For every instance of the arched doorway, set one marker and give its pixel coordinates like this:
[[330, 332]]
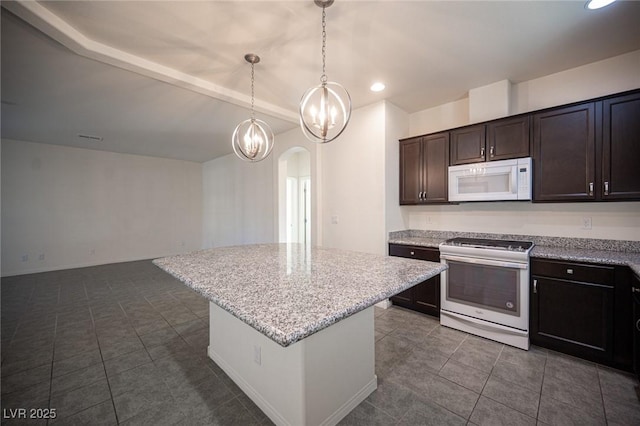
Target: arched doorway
[[294, 196]]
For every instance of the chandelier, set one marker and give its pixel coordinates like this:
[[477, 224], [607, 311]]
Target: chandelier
[[325, 109], [253, 138]]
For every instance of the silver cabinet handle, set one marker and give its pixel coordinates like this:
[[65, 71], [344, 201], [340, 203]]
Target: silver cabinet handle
[[413, 253], [482, 152], [635, 290], [491, 151], [420, 196], [535, 286], [606, 188], [590, 188], [570, 271], [638, 325]]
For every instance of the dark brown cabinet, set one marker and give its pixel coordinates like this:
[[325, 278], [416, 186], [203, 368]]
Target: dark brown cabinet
[[621, 148], [635, 343], [425, 296], [589, 151], [423, 169], [508, 138], [564, 154], [572, 308], [496, 140], [468, 145], [582, 309]]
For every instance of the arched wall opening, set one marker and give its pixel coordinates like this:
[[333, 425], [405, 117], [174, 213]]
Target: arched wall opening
[[294, 196]]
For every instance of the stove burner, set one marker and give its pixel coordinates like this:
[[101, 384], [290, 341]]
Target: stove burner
[[521, 246]]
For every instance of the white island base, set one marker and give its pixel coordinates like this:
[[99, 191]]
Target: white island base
[[315, 381]]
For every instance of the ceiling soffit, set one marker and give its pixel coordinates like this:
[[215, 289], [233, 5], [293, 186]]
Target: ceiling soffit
[[56, 28]]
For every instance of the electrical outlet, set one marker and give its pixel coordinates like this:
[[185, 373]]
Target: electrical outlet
[[334, 219], [257, 354], [41, 257], [25, 258], [586, 222]]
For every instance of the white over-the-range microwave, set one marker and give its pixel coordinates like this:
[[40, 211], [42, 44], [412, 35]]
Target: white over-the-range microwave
[[491, 181]]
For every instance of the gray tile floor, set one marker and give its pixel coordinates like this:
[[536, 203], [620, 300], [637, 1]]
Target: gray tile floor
[[126, 344]]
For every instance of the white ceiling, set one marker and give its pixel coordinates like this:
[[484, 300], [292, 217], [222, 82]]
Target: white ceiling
[[176, 83]]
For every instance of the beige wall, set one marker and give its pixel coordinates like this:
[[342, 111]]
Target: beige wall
[[612, 75], [353, 184], [66, 207], [610, 220], [237, 202]]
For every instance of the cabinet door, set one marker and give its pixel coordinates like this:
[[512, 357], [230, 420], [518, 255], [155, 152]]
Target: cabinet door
[[436, 162], [564, 154], [623, 322], [404, 298], [468, 145], [508, 138], [411, 171], [427, 296], [636, 325], [572, 317], [621, 148]]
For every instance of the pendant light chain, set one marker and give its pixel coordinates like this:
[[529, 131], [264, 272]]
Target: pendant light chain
[[252, 139], [253, 114], [323, 78], [325, 109]]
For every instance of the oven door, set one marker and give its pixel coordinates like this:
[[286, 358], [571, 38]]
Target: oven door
[[490, 290]]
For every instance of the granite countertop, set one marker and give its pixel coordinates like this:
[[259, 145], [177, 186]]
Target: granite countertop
[[612, 252], [290, 291]]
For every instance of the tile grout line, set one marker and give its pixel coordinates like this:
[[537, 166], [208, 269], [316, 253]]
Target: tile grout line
[[604, 407], [544, 375], [95, 332], [480, 395], [53, 357]]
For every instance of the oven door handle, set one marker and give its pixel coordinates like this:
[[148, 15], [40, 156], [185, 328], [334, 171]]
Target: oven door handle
[[488, 262]]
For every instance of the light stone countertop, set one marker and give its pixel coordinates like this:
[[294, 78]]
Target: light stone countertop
[[611, 252], [290, 291]]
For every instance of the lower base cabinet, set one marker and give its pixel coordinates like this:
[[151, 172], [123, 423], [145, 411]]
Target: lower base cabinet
[[636, 324], [425, 296], [579, 309]]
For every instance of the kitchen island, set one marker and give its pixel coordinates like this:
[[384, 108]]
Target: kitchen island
[[292, 325]]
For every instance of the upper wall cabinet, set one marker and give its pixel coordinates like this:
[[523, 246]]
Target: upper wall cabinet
[[621, 148], [424, 164], [468, 145], [564, 154], [497, 140], [508, 138], [589, 151]]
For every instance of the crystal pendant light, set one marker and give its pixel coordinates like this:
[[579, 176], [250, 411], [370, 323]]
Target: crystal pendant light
[[325, 109], [253, 138]]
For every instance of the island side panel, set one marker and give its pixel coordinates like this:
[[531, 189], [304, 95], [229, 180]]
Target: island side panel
[[316, 381], [340, 365]]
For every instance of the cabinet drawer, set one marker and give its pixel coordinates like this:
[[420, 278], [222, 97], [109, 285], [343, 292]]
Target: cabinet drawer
[[415, 252], [584, 272]]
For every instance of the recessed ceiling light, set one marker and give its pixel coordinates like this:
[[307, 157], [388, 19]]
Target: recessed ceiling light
[[598, 4], [377, 87]]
